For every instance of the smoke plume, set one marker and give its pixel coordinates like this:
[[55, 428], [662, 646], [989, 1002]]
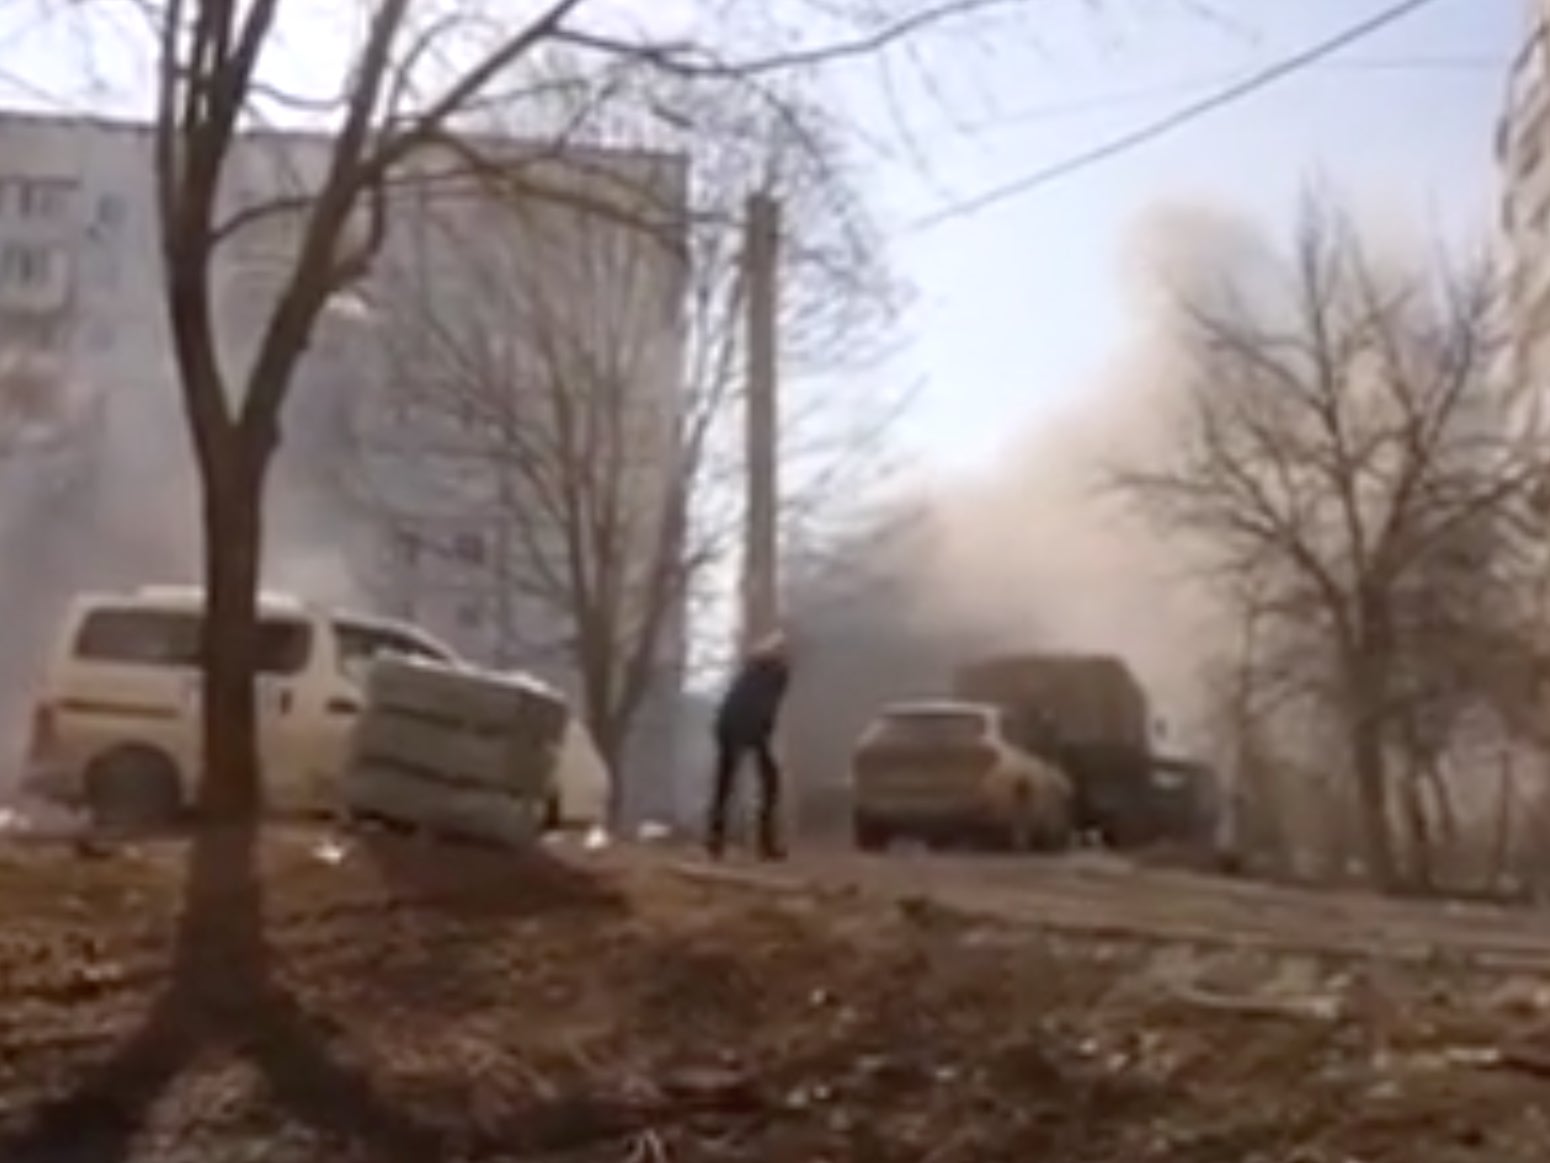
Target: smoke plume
[[107, 499], [1042, 552]]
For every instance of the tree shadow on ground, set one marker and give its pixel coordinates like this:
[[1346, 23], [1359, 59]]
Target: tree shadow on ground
[[223, 995], [446, 963], [476, 882]]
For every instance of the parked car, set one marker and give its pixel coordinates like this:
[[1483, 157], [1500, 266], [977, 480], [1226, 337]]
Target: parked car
[[947, 772]]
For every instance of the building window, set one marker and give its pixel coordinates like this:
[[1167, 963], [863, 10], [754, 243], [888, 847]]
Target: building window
[[24, 266], [406, 546], [1539, 220], [43, 198], [1529, 151], [111, 212], [40, 336], [469, 548]]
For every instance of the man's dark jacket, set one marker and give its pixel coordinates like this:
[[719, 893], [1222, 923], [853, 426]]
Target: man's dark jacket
[[750, 706]]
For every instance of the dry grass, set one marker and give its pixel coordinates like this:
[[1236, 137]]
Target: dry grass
[[545, 1008]]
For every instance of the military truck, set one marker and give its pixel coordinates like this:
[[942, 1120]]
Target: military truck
[[1088, 714], [1186, 802]]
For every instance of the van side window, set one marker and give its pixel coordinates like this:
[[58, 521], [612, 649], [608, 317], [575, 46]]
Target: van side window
[[136, 636]]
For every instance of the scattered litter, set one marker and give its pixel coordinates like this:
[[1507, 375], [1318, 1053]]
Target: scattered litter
[[1481, 1056], [330, 850], [713, 1088], [653, 832], [1521, 995], [1318, 1008], [597, 839]]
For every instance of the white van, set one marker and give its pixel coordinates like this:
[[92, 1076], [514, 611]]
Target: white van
[[116, 728]]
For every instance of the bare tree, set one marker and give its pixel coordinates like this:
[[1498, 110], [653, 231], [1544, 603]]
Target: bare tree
[[1346, 454], [544, 415], [575, 383], [418, 73]]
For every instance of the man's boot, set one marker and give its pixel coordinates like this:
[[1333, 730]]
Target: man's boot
[[770, 847], [716, 836]]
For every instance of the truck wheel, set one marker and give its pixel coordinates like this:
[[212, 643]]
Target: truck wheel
[[1058, 836], [869, 835], [133, 788]]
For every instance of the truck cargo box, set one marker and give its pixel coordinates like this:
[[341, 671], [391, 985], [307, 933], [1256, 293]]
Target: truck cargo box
[[1091, 700]]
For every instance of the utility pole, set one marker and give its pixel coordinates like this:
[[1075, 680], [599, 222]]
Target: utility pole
[[761, 568]]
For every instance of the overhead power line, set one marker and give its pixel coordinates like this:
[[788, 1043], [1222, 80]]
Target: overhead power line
[[1178, 119], [1103, 102]]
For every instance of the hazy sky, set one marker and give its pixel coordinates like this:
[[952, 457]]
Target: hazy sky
[[1021, 302]]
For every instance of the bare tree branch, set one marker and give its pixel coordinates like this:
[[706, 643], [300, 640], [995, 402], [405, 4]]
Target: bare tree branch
[[1350, 470]]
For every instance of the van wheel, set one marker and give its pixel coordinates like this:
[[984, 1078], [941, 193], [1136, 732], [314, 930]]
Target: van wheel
[[133, 788]]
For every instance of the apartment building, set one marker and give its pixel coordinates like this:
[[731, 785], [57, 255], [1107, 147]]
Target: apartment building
[[1523, 160], [421, 526]]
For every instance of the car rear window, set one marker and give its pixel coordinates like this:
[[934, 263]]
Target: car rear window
[[136, 636], [933, 727]]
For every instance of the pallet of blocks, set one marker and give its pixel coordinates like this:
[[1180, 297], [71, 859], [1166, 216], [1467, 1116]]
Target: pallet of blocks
[[454, 752]]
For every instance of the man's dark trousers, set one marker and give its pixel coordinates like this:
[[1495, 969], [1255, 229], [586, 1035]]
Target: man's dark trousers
[[731, 749]]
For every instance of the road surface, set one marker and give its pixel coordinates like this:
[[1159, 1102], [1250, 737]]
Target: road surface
[[1106, 895]]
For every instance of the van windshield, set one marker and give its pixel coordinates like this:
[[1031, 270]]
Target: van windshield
[[931, 727], [141, 636]]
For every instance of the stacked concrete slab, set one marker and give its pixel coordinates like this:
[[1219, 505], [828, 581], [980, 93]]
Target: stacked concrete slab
[[455, 751]]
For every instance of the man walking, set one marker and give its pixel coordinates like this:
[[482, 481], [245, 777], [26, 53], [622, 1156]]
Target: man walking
[[745, 724]]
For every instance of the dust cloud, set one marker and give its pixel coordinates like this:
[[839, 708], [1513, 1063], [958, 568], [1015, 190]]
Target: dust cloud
[[1044, 552]]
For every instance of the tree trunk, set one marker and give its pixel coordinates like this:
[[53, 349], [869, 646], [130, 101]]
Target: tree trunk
[[1422, 864], [230, 787], [604, 718], [1500, 870], [1371, 773], [1434, 778], [608, 735]]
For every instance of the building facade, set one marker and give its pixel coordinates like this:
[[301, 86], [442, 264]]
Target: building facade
[[385, 492], [1523, 160]]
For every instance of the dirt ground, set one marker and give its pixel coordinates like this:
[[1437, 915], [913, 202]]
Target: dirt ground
[[460, 1005]]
